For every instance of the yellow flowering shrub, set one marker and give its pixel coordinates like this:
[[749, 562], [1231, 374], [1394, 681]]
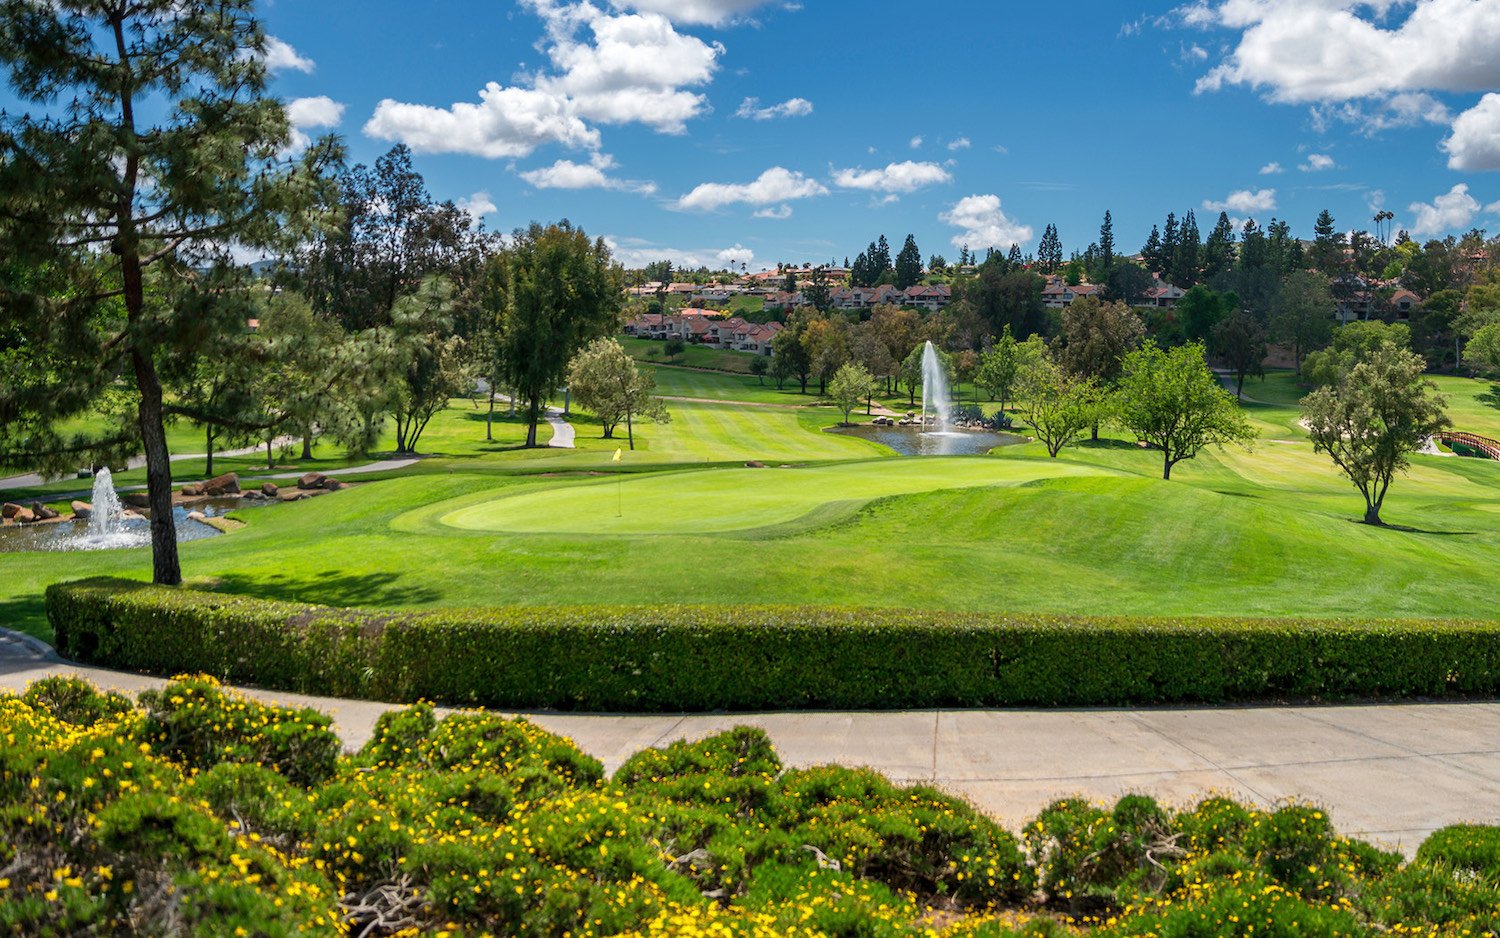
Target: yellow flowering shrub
[[203, 813]]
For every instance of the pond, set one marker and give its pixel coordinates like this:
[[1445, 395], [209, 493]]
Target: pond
[[913, 441], [126, 533]]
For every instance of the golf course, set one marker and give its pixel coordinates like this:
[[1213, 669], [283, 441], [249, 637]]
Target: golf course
[[1264, 530]]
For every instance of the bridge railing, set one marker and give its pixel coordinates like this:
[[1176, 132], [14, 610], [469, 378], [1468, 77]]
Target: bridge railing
[[1474, 441]]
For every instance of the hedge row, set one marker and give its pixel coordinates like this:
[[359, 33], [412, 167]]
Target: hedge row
[[654, 658]]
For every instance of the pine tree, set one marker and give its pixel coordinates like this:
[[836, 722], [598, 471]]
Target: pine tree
[[154, 149], [881, 256], [1049, 252], [1014, 257], [1218, 254], [1151, 253], [908, 264], [1107, 243], [1186, 263], [1254, 251], [1328, 246], [1168, 256]]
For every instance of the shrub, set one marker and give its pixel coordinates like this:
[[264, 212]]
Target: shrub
[[475, 824], [675, 658], [195, 723], [76, 701], [1465, 847]]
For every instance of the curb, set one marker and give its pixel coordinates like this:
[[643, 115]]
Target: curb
[[32, 644]]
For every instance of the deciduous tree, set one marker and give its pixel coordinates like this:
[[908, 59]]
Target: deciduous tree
[[850, 385], [1373, 419], [557, 291], [606, 382], [1304, 313], [1171, 400]]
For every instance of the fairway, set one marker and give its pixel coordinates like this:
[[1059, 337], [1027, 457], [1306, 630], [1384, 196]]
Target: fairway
[[737, 499]]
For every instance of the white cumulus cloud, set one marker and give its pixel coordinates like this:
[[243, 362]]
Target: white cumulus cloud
[[1451, 212], [1475, 142], [507, 122], [906, 176], [1317, 162], [606, 68], [695, 12], [1338, 50], [962, 143], [281, 57], [776, 212], [792, 107], [916, 142], [776, 184], [735, 256], [983, 224], [1271, 169], [636, 69], [566, 174], [477, 205], [1244, 202], [306, 114]]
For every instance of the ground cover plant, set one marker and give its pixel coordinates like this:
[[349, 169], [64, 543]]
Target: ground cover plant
[[195, 811]]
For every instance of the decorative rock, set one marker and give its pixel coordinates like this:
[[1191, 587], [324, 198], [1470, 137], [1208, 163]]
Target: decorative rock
[[334, 485], [197, 516], [192, 491], [269, 489], [294, 496], [9, 510], [43, 513], [755, 464], [129, 515], [25, 516], [313, 480], [82, 511], [226, 484], [137, 500]]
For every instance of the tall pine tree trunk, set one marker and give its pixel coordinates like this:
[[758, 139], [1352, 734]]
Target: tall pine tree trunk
[[208, 463], [165, 567], [307, 446]]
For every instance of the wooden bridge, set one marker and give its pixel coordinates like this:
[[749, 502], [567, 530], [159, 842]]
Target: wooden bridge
[[1481, 445]]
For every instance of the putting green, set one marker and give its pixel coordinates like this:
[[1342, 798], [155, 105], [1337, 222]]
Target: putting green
[[714, 500]]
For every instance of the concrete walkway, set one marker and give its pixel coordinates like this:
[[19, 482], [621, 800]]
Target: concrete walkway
[[562, 431], [33, 479], [1388, 773]]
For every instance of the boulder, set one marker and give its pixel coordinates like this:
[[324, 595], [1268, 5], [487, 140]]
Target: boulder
[[269, 489], [253, 496], [226, 484], [755, 464], [43, 513], [196, 516], [82, 511], [293, 496], [334, 485], [25, 516], [137, 500], [312, 480], [192, 491], [9, 510]]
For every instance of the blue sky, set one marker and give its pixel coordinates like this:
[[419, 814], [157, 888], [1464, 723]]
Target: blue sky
[[707, 130]]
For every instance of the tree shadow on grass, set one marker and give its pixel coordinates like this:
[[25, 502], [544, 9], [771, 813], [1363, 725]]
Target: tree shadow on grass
[[1408, 529], [26, 613], [330, 588]]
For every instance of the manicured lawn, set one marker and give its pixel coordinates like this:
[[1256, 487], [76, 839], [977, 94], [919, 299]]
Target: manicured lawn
[[695, 356], [1265, 531]]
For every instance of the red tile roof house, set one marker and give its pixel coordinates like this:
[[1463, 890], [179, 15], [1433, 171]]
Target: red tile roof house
[[1057, 294], [1162, 296], [929, 298], [782, 300], [758, 338]]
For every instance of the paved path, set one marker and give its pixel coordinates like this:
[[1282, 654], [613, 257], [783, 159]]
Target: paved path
[[32, 479], [562, 431], [1390, 773]]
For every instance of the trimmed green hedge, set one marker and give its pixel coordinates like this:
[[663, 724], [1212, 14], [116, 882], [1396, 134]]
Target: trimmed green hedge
[[655, 658]]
